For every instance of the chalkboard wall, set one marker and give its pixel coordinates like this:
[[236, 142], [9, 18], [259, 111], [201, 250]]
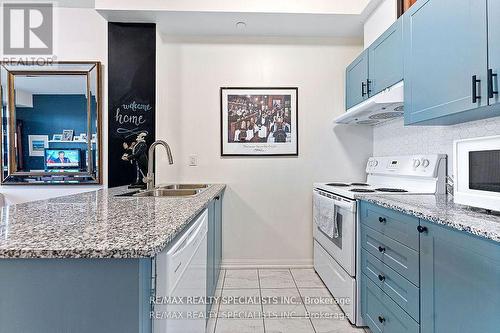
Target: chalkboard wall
[[131, 93]]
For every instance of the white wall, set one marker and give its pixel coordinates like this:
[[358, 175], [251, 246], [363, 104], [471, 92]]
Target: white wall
[[378, 22], [267, 206], [80, 35]]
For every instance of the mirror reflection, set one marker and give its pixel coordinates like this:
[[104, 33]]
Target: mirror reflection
[[50, 125]]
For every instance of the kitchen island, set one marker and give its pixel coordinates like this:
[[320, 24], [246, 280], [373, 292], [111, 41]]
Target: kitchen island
[[85, 262]]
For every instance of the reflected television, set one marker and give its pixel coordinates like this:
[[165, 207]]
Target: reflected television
[[62, 158]]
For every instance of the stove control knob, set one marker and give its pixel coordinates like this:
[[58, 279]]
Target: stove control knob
[[416, 163], [425, 163], [375, 163]]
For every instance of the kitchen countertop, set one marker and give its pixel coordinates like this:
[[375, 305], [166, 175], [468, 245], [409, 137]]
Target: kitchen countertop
[[97, 224], [442, 210]]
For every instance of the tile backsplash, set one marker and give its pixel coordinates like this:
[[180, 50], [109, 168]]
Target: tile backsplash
[[393, 138]]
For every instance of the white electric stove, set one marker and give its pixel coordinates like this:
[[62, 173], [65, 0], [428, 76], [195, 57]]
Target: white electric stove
[[414, 174], [336, 259]]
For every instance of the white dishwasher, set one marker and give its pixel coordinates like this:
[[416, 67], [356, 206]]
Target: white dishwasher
[[181, 287]]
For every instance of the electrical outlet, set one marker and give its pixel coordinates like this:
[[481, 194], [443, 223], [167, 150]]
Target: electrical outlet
[[193, 160]]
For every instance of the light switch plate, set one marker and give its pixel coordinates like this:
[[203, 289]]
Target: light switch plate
[[193, 160]]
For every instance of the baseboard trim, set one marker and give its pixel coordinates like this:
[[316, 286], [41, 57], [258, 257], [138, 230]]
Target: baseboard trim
[[266, 263]]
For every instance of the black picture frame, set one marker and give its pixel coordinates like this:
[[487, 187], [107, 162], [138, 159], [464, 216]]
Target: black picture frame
[[294, 128]]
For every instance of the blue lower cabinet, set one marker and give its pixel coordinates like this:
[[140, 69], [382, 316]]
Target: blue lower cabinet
[[450, 284], [218, 236], [396, 225], [399, 289], [214, 247], [211, 282], [459, 281], [381, 313], [394, 254], [75, 295]]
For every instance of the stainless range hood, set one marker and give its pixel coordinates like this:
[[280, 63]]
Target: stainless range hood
[[384, 106]]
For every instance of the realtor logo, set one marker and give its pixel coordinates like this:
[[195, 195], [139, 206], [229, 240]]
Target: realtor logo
[[27, 28]]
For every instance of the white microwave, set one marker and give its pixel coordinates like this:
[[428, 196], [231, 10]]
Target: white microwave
[[476, 164]]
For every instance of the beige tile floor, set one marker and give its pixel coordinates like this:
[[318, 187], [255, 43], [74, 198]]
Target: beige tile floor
[[275, 301]]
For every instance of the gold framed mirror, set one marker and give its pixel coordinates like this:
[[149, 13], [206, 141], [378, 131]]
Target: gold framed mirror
[[51, 123]]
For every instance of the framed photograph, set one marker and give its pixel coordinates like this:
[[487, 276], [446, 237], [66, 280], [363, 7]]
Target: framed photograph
[[37, 144], [67, 135], [259, 121], [57, 137]]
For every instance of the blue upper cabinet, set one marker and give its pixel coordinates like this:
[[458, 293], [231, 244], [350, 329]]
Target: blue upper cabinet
[[459, 281], [445, 60], [385, 58], [378, 67], [356, 80], [493, 51]]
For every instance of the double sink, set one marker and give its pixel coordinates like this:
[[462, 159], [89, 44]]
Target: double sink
[[171, 190]]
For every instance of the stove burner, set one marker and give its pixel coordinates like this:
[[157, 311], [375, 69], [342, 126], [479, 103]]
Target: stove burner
[[360, 184], [391, 190], [361, 190], [338, 184]]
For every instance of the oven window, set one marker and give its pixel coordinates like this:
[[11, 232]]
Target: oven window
[[484, 170]]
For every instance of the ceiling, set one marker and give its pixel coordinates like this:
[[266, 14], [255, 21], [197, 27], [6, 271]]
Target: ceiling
[[240, 6], [318, 19]]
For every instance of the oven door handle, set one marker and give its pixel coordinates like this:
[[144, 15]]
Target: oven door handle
[[351, 206]]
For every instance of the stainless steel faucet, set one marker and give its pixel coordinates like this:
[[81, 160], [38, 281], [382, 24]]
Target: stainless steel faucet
[[150, 177]]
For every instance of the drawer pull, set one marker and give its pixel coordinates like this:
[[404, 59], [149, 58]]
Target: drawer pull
[[381, 249], [421, 229], [381, 319], [382, 219], [381, 277]]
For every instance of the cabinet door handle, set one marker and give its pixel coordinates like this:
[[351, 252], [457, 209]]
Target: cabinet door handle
[[381, 249], [217, 198], [475, 96], [421, 229], [382, 219], [381, 277], [491, 90], [363, 92], [368, 90], [381, 319]]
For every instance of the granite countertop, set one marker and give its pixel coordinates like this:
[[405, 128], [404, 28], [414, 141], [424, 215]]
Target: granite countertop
[[97, 224], [442, 210]]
